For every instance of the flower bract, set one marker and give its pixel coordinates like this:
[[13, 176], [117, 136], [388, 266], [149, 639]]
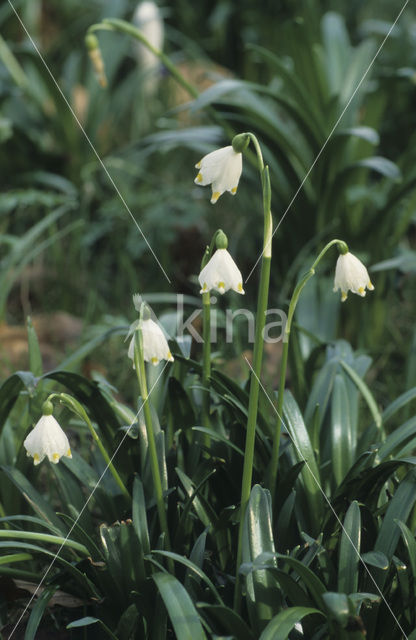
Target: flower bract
[[351, 275], [47, 439], [155, 345], [222, 170], [221, 273]]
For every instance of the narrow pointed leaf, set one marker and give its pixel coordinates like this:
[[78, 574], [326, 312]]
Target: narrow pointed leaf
[[283, 623], [181, 610], [349, 550]]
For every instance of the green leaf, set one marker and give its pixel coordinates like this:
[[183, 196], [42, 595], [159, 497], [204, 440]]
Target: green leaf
[[220, 438], [229, 620], [127, 623], [87, 621], [365, 133], [398, 404], [37, 612], [45, 537], [90, 396], [263, 592], [35, 358], [398, 508], [197, 557], [84, 583], [80, 535], [338, 607], [365, 391], [282, 624], [15, 557], [379, 165], [403, 434], [27, 248], [139, 515], [311, 581], [309, 474], [10, 390], [124, 559], [349, 550], [33, 497], [296, 88], [321, 392], [180, 608], [358, 598], [342, 438], [376, 559], [193, 567], [83, 473], [410, 544]]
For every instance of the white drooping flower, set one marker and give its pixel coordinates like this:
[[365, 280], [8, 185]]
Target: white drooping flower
[[351, 275], [222, 169], [221, 273], [47, 439], [155, 345]]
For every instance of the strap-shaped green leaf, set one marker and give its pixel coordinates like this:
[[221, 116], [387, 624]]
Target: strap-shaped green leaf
[[283, 623], [349, 549], [181, 610]]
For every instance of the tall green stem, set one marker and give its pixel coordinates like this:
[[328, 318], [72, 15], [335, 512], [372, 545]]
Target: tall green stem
[[274, 461], [206, 336], [257, 358], [154, 463], [206, 361]]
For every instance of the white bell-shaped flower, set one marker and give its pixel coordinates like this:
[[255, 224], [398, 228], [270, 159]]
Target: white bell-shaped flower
[[47, 439], [221, 273], [155, 345], [351, 275], [222, 169]]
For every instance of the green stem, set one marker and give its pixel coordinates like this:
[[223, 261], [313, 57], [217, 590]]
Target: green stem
[[274, 461], [206, 347], [79, 410], [113, 24], [257, 360], [154, 463], [206, 362]]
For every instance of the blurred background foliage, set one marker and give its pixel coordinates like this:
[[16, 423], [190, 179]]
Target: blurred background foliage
[[285, 70]]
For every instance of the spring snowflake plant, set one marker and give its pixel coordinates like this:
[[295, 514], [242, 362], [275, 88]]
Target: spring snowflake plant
[[351, 275], [222, 170], [155, 345], [47, 439]]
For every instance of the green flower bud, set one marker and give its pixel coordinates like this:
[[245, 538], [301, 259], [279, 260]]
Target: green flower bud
[[240, 142], [47, 408], [91, 42], [342, 247], [96, 58], [221, 240], [145, 312]]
